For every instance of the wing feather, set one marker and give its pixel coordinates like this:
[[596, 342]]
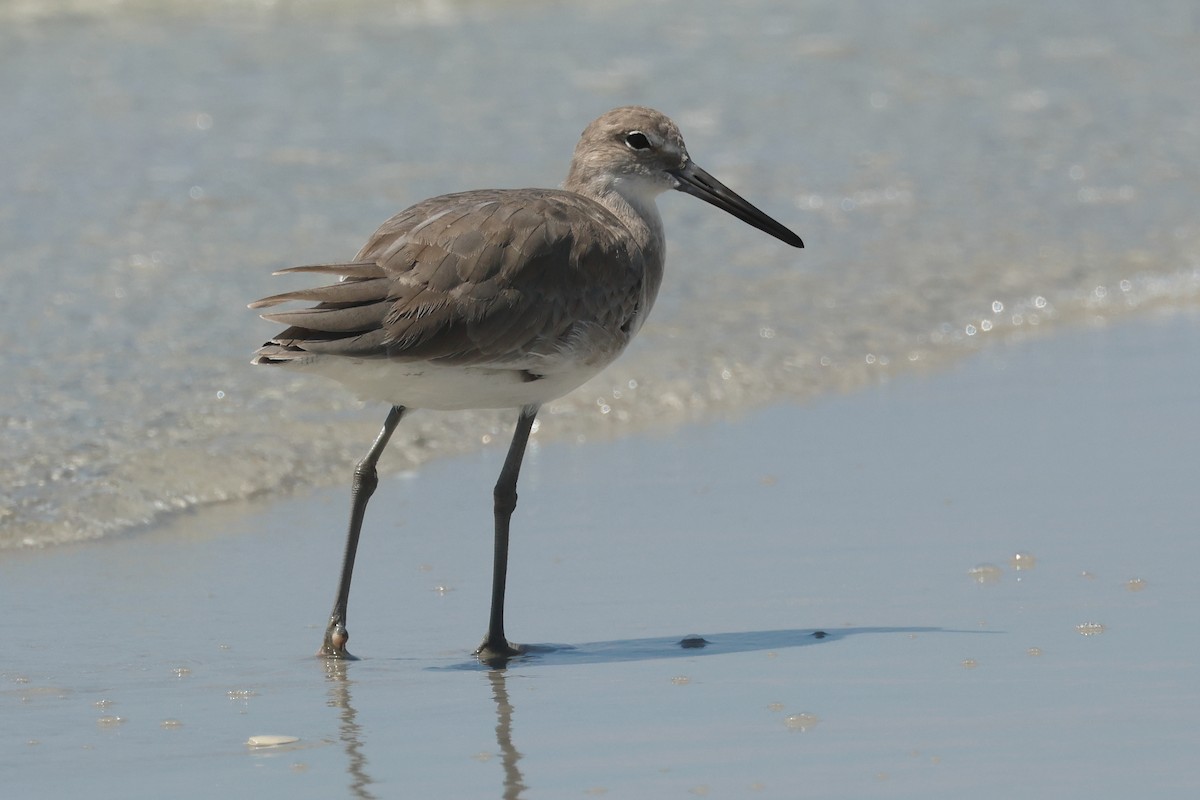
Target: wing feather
[[495, 277]]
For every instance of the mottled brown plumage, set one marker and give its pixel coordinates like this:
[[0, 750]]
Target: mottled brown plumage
[[504, 278]]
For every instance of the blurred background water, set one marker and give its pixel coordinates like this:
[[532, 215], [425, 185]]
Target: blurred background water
[[961, 172]]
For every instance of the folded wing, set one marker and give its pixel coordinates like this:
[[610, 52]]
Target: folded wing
[[483, 277]]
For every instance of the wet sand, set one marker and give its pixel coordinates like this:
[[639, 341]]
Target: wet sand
[[139, 667]]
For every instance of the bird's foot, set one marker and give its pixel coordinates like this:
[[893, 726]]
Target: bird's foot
[[334, 646], [498, 652]]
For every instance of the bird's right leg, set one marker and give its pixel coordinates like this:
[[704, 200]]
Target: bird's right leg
[[496, 649], [366, 478]]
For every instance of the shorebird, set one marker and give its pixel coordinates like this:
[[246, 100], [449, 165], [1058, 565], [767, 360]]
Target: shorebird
[[497, 298]]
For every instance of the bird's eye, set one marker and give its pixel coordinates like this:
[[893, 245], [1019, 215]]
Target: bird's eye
[[636, 140]]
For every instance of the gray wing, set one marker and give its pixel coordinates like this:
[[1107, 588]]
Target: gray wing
[[498, 277]]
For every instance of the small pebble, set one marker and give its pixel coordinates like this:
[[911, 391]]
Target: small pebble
[[985, 573], [1021, 561], [267, 740], [802, 722]]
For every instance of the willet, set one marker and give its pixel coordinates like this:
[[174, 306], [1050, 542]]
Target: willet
[[498, 299]]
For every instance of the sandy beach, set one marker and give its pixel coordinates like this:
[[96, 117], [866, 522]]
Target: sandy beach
[[1002, 557]]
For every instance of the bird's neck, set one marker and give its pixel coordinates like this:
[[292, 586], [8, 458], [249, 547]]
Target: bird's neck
[[633, 204]]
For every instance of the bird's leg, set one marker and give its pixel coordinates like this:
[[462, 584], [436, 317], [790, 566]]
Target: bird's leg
[[495, 647], [366, 478]]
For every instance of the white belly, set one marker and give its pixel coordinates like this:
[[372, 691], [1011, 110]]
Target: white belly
[[446, 388]]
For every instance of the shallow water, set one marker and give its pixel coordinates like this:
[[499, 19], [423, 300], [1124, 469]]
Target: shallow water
[[959, 172], [1072, 674]]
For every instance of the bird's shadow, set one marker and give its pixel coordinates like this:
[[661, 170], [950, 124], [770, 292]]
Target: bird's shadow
[[690, 646]]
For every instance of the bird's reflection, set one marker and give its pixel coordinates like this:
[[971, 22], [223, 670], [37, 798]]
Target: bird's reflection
[[610, 652], [348, 729], [514, 783]]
